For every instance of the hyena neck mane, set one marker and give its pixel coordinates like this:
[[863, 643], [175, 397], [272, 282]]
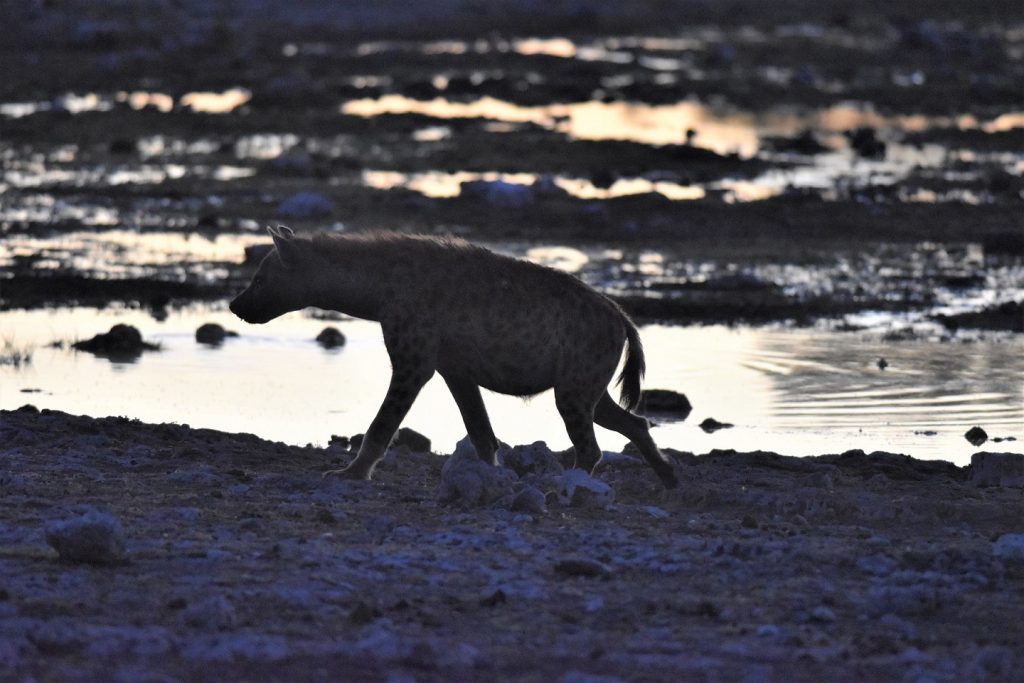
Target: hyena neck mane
[[387, 248], [360, 274]]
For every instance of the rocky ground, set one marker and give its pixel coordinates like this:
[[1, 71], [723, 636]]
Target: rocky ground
[[131, 551]]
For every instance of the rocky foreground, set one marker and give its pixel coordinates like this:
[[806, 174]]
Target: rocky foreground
[[141, 552]]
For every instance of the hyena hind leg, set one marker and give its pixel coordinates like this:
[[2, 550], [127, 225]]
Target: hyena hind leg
[[578, 415], [611, 415]]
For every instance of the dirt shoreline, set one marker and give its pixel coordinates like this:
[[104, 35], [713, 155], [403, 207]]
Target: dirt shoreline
[[240, 561]]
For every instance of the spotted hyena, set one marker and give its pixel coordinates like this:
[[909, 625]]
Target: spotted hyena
[[477, 318]]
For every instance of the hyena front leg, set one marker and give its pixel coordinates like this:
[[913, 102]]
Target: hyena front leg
[[474, 415], [412, 366]]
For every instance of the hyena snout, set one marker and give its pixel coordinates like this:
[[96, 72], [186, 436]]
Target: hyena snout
[[244, 309]]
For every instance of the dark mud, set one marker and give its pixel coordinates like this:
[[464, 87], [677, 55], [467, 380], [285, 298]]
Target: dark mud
[[195, 555]]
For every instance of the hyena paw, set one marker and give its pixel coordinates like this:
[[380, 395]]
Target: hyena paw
[[349, 472], [667, 475]]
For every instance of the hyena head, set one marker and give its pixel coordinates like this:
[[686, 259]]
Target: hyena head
[[278, 285]]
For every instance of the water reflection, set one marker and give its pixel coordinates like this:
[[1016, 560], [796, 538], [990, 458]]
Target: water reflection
[[796, 392], [127, 253], [216, 102], [722, 130], [73, 103], [439, 184]]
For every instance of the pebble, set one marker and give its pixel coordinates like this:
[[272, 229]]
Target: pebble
[[653, 511], [823, 614], [530, 499], [581, 566]]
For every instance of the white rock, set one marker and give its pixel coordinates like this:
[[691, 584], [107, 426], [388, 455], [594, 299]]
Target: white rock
[[535, 458], [467, 480], [997, 469], [653, 511], [94, 538], [576, 488], [305, 205], [530, 499], [1009, 547]]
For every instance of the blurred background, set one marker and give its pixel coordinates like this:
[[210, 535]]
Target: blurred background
[[815, 209]]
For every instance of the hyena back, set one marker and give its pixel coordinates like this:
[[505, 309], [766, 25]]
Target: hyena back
[[478, 319]]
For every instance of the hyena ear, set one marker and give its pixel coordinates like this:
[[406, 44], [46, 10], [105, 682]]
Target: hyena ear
[[280, 231], [287, 247]]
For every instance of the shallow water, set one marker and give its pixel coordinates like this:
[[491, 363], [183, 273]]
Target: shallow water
[[796, 392]]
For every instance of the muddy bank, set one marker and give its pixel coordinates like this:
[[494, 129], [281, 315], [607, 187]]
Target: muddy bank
[[222, 553], [736, 135]]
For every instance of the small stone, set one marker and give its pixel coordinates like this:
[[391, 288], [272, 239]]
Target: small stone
[[363, 613], [122, 342], [976, 436], [653, 511], [215, 613], [468, 481], [879, 565], [664, 402], [498, 193], [535, 458], [330, 338], [498, 597], [580, 566], [1009, 547], [711, 425], [212, 334], [122, 146], [379, 526], [94, 538], [530, 499], [305, 205], [576, 488], [411, 439], [823, 614]]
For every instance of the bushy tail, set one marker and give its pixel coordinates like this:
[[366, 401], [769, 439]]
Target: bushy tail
[[633, 370]]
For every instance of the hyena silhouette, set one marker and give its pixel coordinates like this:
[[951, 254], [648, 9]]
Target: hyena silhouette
[[478, 319]]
